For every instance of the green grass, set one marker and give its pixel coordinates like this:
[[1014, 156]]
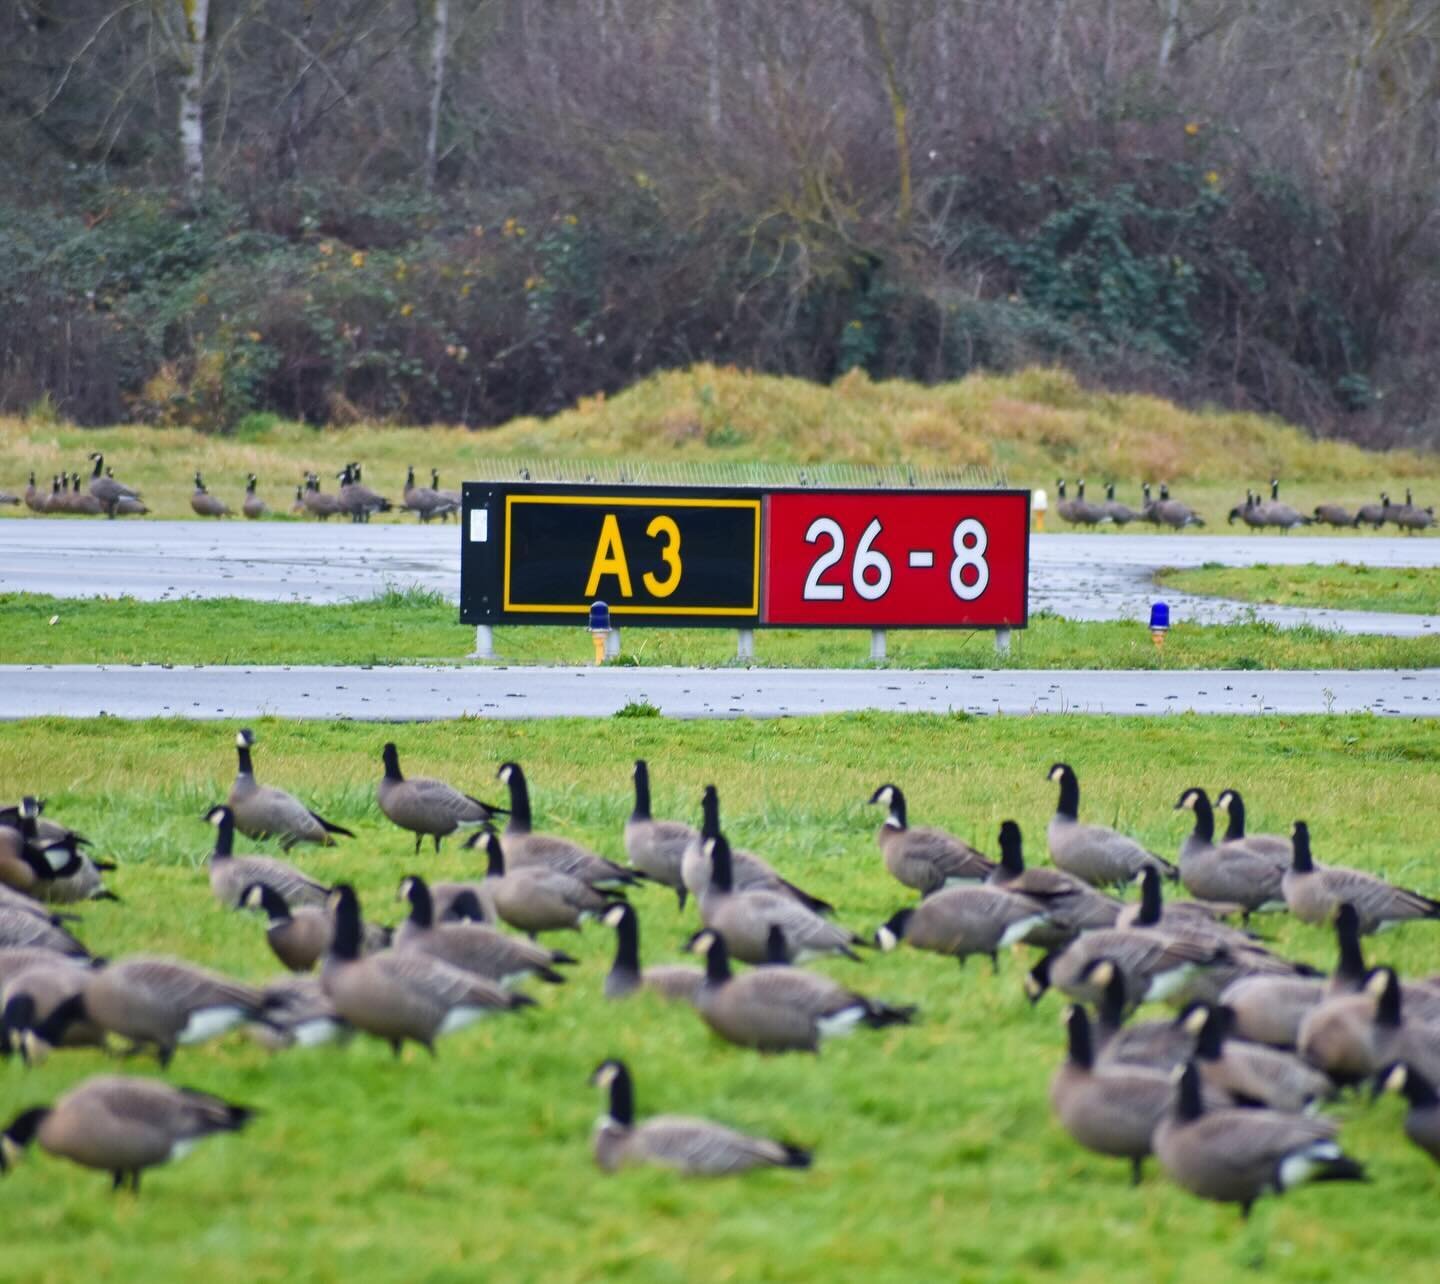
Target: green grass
[[416, 627], [936, 1154], [1359, 588]]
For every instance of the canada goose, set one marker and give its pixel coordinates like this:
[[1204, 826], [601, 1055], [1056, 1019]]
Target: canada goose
[[1234, 1156], [781, 1009], [751, 872], [358, 499], [230, 875], [105, 489], [1374, 514], [1280, 514], [472, 947], [22, 929], [32, 995], [670, 981], [452, 495], [1187, 919], [925, 859], [298, 506], [1251, 512], [204, 503], [1233, 805], [745, 918], [1078, 511], [1422, 1120], [1098, 855], [79, 502], [1115, 511], [400, 995], [1351, 1036], [1334, 515], [1161, 1045], [121, 1125], [1071, 904], [1235, 872], [263, 811], [35, 498], [535, 898], [426, 806], [962, 921], [525, 847], [1171, 512], [656, 847], [692, 1147], [1251, 1073], [1156, 966], [424, 501], [1109, 1109], [1314, 892], [300, 937], [317, 502], [253, 507], [27, 862], [297, 1015]]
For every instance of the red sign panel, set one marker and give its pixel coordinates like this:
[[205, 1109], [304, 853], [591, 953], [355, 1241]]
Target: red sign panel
[[897, 559]]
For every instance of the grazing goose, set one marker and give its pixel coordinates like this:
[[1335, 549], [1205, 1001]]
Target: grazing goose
[[472, 947], [1188, 919], [1156, 966], [535, 898], [1098, 855], [781, 1009], [263, 811], [1253, 1074], [425, 806], [105, 489], [297, 1015], [523, 847], [1233, 805], [745, 918], [204, 503], [1315, 892], [1235, 872], [1117, 512], [121, 1126], [32, 996], [1422, 1120], [22, 928], [1234, 1156], [1160, 1045], [253, 506], [1071, 904], [925, 859], [300, 937], [676, 981], [750, 871], [656, 847], [692, 1147], [961, 921], [230, 874], [400, 995], [1374, 514], [1334, 515], [1351, 1036]]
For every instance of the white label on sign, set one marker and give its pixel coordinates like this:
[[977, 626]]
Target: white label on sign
[[479, 525], [921, 558]]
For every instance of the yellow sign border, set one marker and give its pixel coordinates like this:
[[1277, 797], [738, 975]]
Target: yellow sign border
[[649, 501]]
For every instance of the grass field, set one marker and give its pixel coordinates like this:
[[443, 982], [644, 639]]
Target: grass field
[[936, 1154], [416, 627], [1360, 588]]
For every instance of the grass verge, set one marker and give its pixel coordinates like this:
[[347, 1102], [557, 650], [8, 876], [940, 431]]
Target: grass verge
[[1357, 588], [936, 1153]]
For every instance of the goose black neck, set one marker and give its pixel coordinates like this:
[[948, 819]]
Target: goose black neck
[[1111, 1009], [1151, 904], [243, 753], [1211, 1037], [627, 942], [1188, 1102], [519, 822], [391, 757], [1012, 860], [62, 1016], [717, 961], [622, 1098], [777, 953], [24, 1126], [345, 943], [276, 907], [1082, 1049], [1351, 964], [1069, 803], [898, 811], [1301, 860], [1204, 816], [1387, 1005], [710, 813], [1419, 1091], [642, 791], [99, 464], [722, 874], [1236, 810], [422, 905], [495, 857], [225, 834], [410, 477]]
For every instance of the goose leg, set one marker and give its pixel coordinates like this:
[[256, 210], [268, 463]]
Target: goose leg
[[1136, 1165]]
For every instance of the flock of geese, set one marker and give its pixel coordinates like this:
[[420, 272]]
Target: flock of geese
[[105, 496], [1224, 1094], [1256, 512]]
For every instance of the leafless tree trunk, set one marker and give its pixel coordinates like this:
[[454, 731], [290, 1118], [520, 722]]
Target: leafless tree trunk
[[439, 36], [190, 45], [1170, 35]]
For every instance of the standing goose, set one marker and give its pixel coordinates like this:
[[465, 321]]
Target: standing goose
[[1334, 515], [1314, 892], [1098, 855], [425, 806], [263, 811], [1233, 805], [79, 502], [1235, 873], [535, 898], [453, 496], [751, 873], [781, 1009], [472, 947], [1234, 1156], [400, 995], [204, 503], [1171, 512], [230, 874], [253, 506], [524, 847], [317, 502], [297, 507], [925, 859], [35, 497], [105, 488], [1078, 511], [692, 1147], [1374, 514], [1251, 1073], [424, 501], [745, 919], [1156, 966], [961, 921], [1118, 513], [676, 981], [1071, 904], [656, 847], [300, 937], [356, 498], [1422, 1120], [1187, 919], [121, 1126]]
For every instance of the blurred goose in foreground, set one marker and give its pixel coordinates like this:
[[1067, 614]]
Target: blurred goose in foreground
[[671, 980], [1422, 1120], [925, 859], [1252, 1073], [230, 874], [300, 937], [1156, 966]]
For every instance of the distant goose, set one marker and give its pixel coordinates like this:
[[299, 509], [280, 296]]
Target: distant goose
[[263, 811], [106, 490], [204, 503], [253, 506], [425, 806], [1235, 872], [1118, 513], [523, 847], [1078, 511], [1334, 515], [961, 921]]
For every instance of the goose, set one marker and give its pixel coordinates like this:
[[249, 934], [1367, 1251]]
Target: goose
[[1251, 512], [535, 898], [1374, 514], [33, 994], [1171, 512], [356, 498], [962, 921], [1078, 511], [35, 498], [1160, 1045], [674, 981], [204, 503], [77, 876], [656, 848], [745, 918], [402, 995], [79, 502], [1115, 511], [1422, 1119], [1071, 904], [299, 937], [1351, 1036], [1234, 1156], [28, 862], [1235, 872], [1233, 805], [1251, 1073], [1187, 919], [1156, 966], [453, 496], [121, 1125], [781, 1009], [472, 947], [317, 502], [230, 875], [1315, 892], [524, 847], [925, 859], [22, 928], [751, 872], [425, 806], [297, 507], [424, 501], [1334, 515], [105, 489], [1280, 514], [692, 1147], [263, 811], [1093, 853], [297, 1015]]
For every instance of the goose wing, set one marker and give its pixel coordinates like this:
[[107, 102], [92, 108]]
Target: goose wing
[[699, 1146]]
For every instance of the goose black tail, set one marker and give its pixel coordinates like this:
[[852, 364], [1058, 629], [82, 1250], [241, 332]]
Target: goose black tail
[[797, 1156], [878, 1015]]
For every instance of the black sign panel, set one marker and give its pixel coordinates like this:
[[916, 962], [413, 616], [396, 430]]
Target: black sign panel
[[541, 554]]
